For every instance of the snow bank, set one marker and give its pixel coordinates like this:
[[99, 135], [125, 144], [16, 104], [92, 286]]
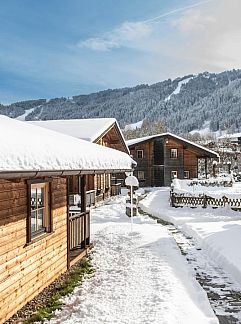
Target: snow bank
[[216, 231], [213, 187], [221, 242], [25, 147]]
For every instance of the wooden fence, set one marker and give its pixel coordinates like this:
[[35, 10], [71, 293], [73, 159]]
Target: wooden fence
[[179, 200]]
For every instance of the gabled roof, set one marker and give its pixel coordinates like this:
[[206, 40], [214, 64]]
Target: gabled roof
[[25, 147], [180, 139], [87, 129]]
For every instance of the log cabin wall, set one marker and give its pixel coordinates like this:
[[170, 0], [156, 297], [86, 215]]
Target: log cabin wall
[[191, 163], [25, 270]]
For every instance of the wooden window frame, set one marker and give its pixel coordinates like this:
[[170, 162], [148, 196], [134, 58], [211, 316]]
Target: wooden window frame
[[176, 154], [173, 177], [141, 178], [188, 172], [30, 237], [142, 154]]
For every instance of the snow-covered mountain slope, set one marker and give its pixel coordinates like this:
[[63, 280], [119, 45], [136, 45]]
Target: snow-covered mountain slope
[[183, 104]]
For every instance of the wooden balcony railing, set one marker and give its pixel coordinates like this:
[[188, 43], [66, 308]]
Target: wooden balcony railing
[[115, 189], [75, 199], [79, 229]]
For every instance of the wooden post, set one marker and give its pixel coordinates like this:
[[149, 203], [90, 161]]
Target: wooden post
[[83, 204], [68, 227], [206, 168]]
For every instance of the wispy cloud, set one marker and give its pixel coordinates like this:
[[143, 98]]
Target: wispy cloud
[[130, 34], [127, 34]]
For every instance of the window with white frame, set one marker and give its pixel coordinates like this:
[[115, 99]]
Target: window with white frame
[[186, 174], [173, 153], [174, 174], [40, 213], [140, 154], [141, 175]]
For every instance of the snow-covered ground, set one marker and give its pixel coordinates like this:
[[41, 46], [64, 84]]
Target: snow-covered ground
[[141, 276], [134, 126], [216, 231]]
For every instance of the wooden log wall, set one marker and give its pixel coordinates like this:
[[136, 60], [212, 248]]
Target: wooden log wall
[[25, 270]]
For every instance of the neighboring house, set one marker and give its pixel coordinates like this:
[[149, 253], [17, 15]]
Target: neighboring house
[[102, 131], [40, 234], [162, 157], [234, 138]]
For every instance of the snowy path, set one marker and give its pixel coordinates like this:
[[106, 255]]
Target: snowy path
[[140, 277], [209, 239]]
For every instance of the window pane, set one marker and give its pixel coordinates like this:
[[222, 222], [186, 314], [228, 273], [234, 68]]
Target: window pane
[[40, 219], [33, 221], [38, 207]]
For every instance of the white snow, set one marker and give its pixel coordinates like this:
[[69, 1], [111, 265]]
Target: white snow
[[229, 136], [86, 129], [212, 187], [178, 88], [141, 277], [134, 126], [24, 146], [216, 231], [204, 130], [146, 138], [26, 113]]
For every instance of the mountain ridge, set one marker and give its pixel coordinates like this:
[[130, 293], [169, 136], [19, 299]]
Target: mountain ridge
[[182, 104]]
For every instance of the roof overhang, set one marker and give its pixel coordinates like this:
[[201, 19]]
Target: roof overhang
[[55, 173]]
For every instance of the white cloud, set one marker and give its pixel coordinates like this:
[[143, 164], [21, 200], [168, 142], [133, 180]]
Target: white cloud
[[194, 20], [214, 41], [128, 34]]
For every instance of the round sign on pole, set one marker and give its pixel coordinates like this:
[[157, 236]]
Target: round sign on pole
[[132, 181]]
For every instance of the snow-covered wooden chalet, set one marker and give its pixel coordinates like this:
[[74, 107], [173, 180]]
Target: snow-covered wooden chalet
[[162, 157], [40, 234], [102, 131]]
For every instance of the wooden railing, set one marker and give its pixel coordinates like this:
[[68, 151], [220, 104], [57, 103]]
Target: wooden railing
[[115, 189], [179, 200], [90, 198], [79, 229], [76, 197]]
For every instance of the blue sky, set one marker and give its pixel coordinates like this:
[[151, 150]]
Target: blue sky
[[53, 48]]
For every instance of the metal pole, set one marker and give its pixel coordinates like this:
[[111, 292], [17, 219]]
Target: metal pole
[[131, 208]]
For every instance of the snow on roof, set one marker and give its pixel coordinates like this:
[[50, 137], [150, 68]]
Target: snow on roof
[[86, 129], [227, 136], [27, 147], [146, 138]]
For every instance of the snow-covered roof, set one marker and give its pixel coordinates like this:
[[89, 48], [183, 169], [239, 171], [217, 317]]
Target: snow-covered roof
[[146, 138], [27, 147], [228, 136], [86, 129]]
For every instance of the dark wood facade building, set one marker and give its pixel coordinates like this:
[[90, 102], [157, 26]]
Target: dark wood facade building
[[162, 157]]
